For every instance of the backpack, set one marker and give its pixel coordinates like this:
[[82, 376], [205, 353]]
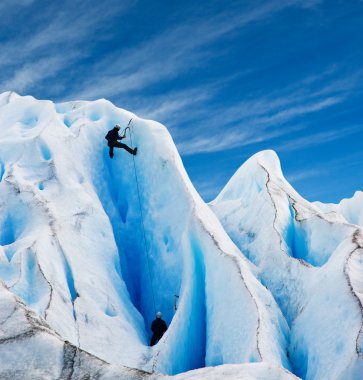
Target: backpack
[[108, 136]]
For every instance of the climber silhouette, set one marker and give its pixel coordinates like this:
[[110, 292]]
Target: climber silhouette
[[112, 137], [158, 327]]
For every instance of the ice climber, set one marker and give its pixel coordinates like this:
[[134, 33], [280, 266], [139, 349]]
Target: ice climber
[[112, 137], [158, 327]]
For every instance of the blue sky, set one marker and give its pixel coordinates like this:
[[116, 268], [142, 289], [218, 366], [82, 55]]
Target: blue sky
[[227, 78]]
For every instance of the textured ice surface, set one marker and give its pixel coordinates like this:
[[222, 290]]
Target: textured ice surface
[[255, 371], [86, 259], [94, 260], [31, 350], [351, 209], [311, 261]]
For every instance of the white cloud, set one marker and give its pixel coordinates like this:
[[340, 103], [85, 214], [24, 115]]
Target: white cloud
[[230, 139], [10, 4], [62, 39], [164, 57], [319, 138], [259, 128], [309, 4], [264, 118], [302, 175], [31, 74], [170, 53]]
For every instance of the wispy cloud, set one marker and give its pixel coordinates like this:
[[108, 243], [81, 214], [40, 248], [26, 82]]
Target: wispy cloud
[[172, 105], [171, 52], [61, 42], [318, 188], [319, 138], [230, 139], [264, 118], [166, 56], [258, 126], [302, 175], [32, 73], [296, 110], [309, 4], [7, 5], [260, 119], [162, 57]]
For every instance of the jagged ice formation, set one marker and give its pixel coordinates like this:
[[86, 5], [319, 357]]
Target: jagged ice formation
[[311, 261], [89, 253]]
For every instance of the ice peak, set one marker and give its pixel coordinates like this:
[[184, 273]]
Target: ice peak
[[252, 174], [7, 96], [95, 246]]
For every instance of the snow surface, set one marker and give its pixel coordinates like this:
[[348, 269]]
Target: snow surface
[[30, 349], [93, 259], [351, 208], [255, 371], [311, 261]]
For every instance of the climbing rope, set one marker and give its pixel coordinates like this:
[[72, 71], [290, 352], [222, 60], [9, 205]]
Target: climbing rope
[[142, 216]]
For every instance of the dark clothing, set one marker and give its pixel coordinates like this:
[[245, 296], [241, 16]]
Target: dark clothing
[[112, 137], [158, 327], [119, 145]]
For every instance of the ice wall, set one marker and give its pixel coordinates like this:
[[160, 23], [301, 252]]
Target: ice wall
[[96, 253], [310, 261], [31, 350], [351, 208]]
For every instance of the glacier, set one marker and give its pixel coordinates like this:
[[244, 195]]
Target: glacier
[[310, 260], [259, 284], [350, 208]]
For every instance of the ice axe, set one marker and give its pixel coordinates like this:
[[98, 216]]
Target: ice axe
[[176, 297], [127, 127]]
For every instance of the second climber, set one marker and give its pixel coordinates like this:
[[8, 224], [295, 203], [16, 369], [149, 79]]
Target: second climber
[[158, 327]]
